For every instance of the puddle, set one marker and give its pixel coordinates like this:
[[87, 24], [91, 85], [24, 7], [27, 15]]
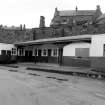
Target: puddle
[[33, 74], [51, 77], [60, 79], [13, 70], [13, 66]]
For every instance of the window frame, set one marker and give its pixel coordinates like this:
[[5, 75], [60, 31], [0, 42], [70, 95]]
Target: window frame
[[42, 52], [2, 52], [14, 51], [54, 55], [21, 52], [35, 52]]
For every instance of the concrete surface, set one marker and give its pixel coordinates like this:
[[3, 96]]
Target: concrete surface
[[20, 88]]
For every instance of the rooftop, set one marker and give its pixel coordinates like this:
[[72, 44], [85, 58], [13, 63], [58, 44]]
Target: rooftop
[[78, 12], [56, 40], [102, 16]]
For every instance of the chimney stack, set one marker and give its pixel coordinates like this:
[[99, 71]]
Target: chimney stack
[[98, 7], [76, 8], [42, 22]]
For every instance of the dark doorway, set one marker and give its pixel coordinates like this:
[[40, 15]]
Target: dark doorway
[[30, 53], [39, 56], [49, 56], [49, 52], [28, 56]]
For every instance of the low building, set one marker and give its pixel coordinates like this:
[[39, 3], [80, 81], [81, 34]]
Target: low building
[[81, 50], [8, 53]]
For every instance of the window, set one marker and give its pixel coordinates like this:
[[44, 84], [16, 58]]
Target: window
[[44, 52], [13, 51], [8, 52], [21, 52], [36, 52], [55, 52], [104, 50], [3, 52]]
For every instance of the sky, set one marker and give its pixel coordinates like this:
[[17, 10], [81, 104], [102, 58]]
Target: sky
[[28, 12]]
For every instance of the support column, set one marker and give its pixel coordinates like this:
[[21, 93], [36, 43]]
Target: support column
[[60, 56], [35, 53]]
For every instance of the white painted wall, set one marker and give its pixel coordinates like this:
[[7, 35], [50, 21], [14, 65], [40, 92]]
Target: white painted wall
[[69, 50], [4, 46], [97, 45]]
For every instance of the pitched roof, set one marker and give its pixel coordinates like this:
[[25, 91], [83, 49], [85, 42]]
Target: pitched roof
[[60, 39], [101, 17], [78, 12]]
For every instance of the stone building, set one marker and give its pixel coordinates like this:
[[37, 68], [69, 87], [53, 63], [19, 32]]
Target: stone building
[[78, 17], [70, 23]]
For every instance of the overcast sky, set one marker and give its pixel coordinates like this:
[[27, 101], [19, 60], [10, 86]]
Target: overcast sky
[[16, 12]]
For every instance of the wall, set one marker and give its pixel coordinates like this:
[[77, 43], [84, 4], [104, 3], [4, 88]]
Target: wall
[[98, 63], [97, 52], [7, 58], [76, 62], [41, 33], [4, 46], [97, 44], [12, 36], [69, 50]]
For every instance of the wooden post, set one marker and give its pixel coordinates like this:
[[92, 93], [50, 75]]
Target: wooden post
[[35, 53], [60, 56]]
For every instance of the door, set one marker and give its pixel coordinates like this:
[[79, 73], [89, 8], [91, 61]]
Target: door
[[26, 56], [39, 56], [49, 52], [30, 56]]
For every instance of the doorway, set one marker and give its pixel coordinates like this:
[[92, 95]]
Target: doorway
[[28, 56]]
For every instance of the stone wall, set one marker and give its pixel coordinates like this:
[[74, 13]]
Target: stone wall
[[66, 30], [12, 36], [46, 32]]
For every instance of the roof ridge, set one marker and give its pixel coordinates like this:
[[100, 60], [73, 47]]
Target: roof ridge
[[75, 10]]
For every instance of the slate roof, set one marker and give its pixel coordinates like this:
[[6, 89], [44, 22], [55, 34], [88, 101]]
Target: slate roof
[[101, 17], [78, 12], [60, 39]]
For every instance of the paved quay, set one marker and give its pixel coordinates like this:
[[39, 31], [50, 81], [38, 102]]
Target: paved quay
[[55, 68], [19, 88], [48, 66]]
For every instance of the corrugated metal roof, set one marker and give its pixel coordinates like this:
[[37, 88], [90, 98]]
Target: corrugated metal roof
[[60, 39], [78, 12]]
